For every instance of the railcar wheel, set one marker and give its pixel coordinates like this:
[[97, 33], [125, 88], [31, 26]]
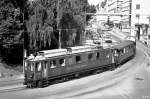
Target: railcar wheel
[[29, 85], [76, 75], [40, 84]]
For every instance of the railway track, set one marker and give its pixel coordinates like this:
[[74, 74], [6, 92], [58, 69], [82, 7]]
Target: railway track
[[11, 85], [11, 82], [17, 88]]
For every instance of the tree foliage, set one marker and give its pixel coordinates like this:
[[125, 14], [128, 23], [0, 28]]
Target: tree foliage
[[37, 23], [40, 25], [10, 24], [11, 31], [73, 18]]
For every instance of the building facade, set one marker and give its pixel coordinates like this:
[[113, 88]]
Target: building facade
[[126, 11], [120, 7], [133, 12], [114, 6], [140, 20]]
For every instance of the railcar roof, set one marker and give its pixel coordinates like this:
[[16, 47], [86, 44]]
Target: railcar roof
[[47, 54], [123, 44]]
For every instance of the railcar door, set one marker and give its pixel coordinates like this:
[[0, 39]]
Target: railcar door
[[116, 56], [29, 75], [113, 57], [38, 70]]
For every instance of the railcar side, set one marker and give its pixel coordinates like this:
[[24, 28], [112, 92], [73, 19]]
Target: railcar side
[[75, 64]]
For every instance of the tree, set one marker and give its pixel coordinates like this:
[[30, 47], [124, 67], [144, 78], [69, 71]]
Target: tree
[[11, 28], [40, 25], [47, 17], [72, 15]]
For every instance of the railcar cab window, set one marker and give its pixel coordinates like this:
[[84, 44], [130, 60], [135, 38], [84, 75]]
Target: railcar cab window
[[53, 64], [44, 64], [32, 67], [25, 65], [78, 59], [62, 62], [39, 66]]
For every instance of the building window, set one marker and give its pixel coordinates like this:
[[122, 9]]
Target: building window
[[137, 6], [137, 16]]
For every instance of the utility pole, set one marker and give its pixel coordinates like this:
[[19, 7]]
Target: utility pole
[[148, 34], [58, 21]]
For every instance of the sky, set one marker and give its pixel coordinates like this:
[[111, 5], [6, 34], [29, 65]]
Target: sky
[[94, 2]]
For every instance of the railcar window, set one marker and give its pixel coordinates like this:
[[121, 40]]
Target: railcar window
[[25, 65], [70, 60], [127, 50], [32, 67], [46, 64], [39, 67], [129, 47], [78, 59], [107, 56], [116, 53], [62, 62], [97, 55], [90, 56], [121, 52], [53, 64], [124, 50]]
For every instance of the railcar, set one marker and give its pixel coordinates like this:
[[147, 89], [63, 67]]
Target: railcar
[[61, 64], [125, 51]]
